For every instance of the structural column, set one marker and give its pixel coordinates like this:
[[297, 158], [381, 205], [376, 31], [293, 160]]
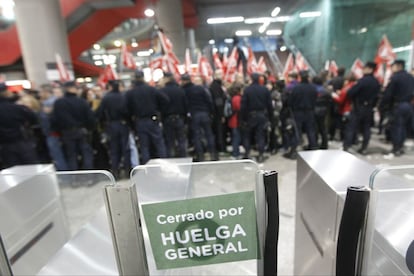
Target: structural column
[[169, 16], [191, 42], [42, 34]]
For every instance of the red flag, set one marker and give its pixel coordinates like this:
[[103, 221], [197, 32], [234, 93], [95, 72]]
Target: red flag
[[379, 73], [217, 62], [261, 65], [127, 58], [172, 66], [225, 62], [156, 63], [251, 62], [384, 52], [289, 67], [231, 66], [333, 68], [301, 63], [165, 42], [357, 68], [108, 74], [63, 71], [188, 62], [204, 68]]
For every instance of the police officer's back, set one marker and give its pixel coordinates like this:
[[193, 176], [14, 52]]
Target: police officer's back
[[144, 104], [174, 117], [73, 118], [16, 147]]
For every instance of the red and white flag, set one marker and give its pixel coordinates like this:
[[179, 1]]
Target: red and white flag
[[231, 66], [261, 65], [289, 67], [358, 68], [384, 52], [165, 42], [188, 62], [300, 62], [251, 62], [204, 68], [333, 68], [63, 71], [217, 62], [157, 63], [225, 62], [127, 58], [379, 73], [108, 74]]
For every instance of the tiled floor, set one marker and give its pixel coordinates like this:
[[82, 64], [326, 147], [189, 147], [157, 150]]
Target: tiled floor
[[82, 202]]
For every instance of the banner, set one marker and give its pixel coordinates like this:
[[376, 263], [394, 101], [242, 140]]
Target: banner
[[202, 231]]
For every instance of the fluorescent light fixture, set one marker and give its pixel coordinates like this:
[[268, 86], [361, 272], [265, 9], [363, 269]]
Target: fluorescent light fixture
[[134, 44], [222, 20], [215, 50], [243, 33], [275, 12], [401, 49], [363, 30], [25, 83], [96, 46], [228, 40], [211, 42], [284, 18], [310, 14], [144, 53], [263, 28], [274, 32], [117, 43], [88, 79], [149, 12], [283, 48], [262, 20], [96, 57], [80, 80], [98, 62]]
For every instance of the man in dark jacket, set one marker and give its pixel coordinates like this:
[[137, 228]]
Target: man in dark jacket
[[302, 102], [256, 111], [16, 146], [364, 97], [174, 118], [144, 104], [73, 117], [112, 113], [322, 104], [200, 107], [219, 98], [399, 94]]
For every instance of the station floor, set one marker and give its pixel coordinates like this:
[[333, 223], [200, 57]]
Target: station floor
[[82, 202]]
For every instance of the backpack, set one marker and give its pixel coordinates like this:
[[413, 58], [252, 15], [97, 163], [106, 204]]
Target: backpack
[[228, 109]]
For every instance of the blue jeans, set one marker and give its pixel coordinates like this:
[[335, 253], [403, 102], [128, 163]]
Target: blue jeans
[[56, 152], [174, 130], [256, 124], [149, 132], [119, 145], [200, 124], [402, 117], [76, 142], [235, 141]]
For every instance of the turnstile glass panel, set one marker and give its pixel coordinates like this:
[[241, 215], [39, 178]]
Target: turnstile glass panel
[[389, 244], [202, 184]]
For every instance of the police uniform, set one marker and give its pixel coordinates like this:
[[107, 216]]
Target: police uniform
[[16, 147], [364, 95], [174, 119], [112, 113], [302, 102], [200, 106], [399, 94], [73, 117], [144, 104], [219, 97], [256, 109]]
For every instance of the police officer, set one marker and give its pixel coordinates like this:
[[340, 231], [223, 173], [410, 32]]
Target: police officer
[[111, 112], [399, 94], [200, 107], [16, 147], [256, 110], [302, 102], [174, 116], [364, 95], [322, 105], [219, 98], [73, 117], [144, 104]]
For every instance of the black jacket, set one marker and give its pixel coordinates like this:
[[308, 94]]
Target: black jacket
[[256, 98], [364, 94], [198, 99], [177, 104], [218, 97], [144, 101], [400, 88], [14, 119], [70, 112], [112, 107], [303, 97]]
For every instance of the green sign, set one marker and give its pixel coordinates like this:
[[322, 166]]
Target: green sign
[[200, 231]]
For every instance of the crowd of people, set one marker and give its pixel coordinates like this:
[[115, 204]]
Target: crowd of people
[[118, 128]]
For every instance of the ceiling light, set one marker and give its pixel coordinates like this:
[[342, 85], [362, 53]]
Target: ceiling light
[[275, 12], [149, 12], [211, 42], [134, 44], [88, 79], [261, 20], [96, 46], [7, 7], [117, 43], [263, 28], [243, 33], [215, 50], [228, 40], [221, 20], [284, 18], [274, 32], [310, 14], [283, 48], [401, 49], [96, 57], [80, 80], [144, 53], [363, 30], [98, 62]]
